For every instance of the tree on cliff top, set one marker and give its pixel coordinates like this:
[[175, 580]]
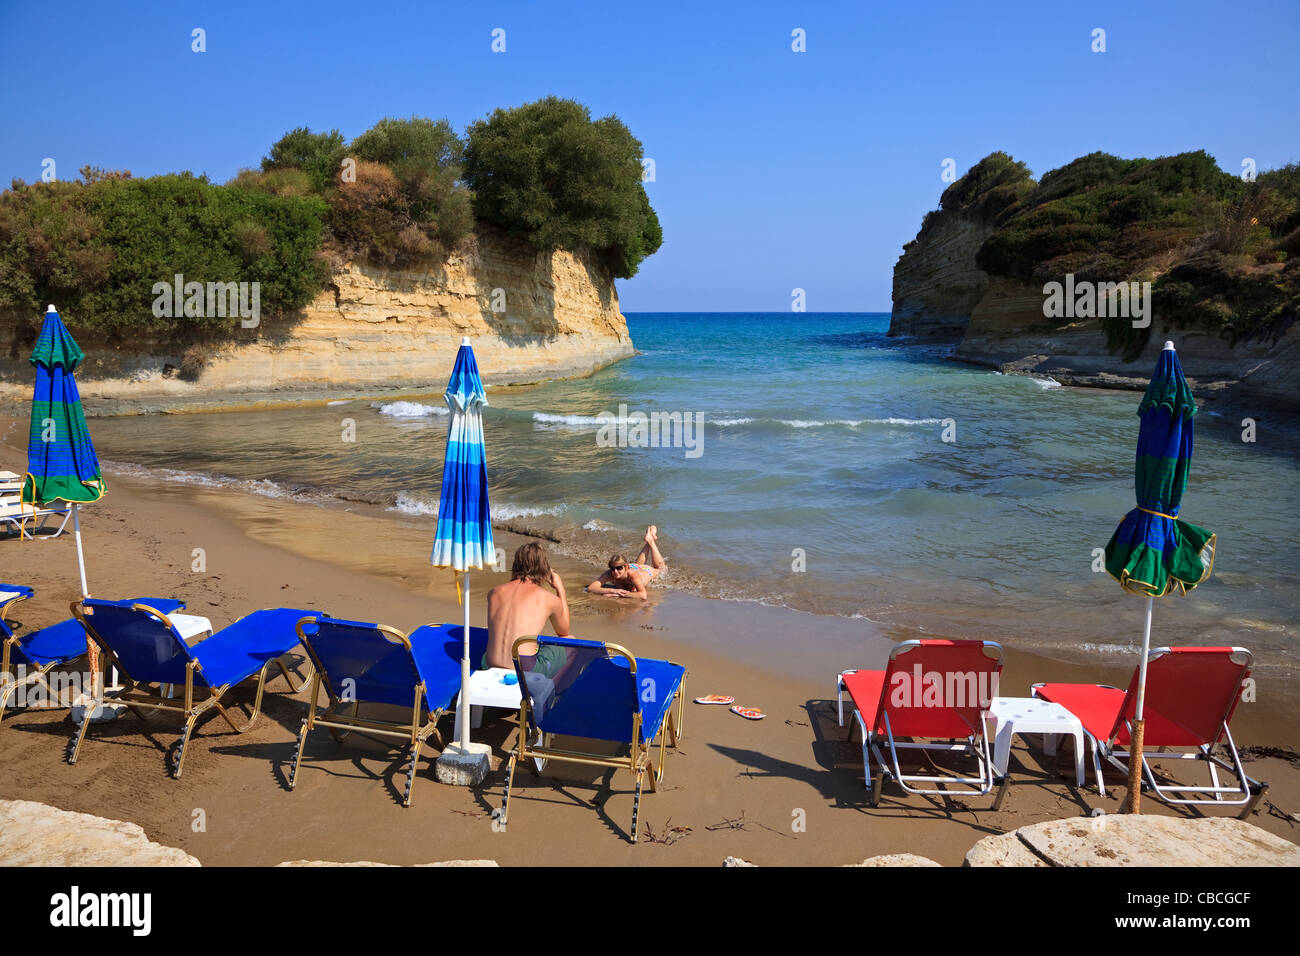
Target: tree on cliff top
[[394, 192], [548, 173], [316, 154], [426, 158], [989, 187]]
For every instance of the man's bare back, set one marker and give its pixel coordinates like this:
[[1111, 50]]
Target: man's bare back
[[522, 608]]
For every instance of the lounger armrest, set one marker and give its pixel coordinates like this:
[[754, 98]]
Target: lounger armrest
[[166, 605], [20, 593], [620, 649]]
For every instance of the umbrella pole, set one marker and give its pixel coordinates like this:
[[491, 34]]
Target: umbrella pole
[[81, 558], [464, 678], [1135, 743], [92, 651]]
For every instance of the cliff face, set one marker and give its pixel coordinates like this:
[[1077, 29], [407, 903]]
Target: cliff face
[[530, 316], [1003, 327], [936, 283], [1007, 331]]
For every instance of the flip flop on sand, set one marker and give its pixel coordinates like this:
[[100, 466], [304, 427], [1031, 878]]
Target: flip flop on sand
[[749, 713], [715, 699]]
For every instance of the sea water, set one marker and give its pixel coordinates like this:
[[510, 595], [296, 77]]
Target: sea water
[[836, 470]]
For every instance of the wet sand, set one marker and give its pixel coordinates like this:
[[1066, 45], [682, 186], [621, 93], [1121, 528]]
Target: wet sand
[[785, 790]]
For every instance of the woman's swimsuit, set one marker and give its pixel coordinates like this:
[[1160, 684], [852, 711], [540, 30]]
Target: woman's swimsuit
[[649, 572]]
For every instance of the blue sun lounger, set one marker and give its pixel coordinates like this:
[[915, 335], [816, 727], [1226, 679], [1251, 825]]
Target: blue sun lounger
[[588, 689], [39, 652], [375, 664], [148, 649]]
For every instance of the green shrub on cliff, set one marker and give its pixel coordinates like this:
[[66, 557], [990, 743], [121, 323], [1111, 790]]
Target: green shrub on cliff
[[48, 251], [97, 248], [989, 187], [316, 154], [397, 195], [1217, 249], [425, 159], [546, 172], [1101, 205]]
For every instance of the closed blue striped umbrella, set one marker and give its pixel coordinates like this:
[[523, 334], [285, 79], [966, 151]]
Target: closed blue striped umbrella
[[463, 540]]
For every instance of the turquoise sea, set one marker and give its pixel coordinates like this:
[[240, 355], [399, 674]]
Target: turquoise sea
[[821, 480]]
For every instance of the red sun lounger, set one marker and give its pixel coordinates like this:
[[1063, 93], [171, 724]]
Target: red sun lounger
[[1191, 695], [930, 690]]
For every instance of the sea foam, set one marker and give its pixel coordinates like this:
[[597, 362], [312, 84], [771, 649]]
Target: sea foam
[[549, 420], [412, 410]]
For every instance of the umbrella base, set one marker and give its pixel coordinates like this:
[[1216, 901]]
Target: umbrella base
[[463, 768], [101, 712]]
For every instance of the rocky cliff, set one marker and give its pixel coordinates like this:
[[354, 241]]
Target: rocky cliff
[[1007, 331], [530, 316], [936, 281], [940, 292]]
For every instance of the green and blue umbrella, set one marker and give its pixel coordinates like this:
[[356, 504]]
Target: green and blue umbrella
[[463, 539], [61, 461], [1154, 552]]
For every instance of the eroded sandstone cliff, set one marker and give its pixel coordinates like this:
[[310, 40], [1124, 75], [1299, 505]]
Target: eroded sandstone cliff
[[530, 316], [936, 281]]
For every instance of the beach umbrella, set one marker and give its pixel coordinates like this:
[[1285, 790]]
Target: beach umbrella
[[463, 539], [1153, 552], [61, 461]]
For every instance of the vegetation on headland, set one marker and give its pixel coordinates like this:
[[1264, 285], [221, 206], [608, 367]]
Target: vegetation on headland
[[405, 193], [1222, 253]]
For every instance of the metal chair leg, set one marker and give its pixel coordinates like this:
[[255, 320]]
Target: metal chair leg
[[7, 690], [75, 744], [1257, 794], [505, 803], [297, 754], [636, 801], [410, 773], [178, 763]]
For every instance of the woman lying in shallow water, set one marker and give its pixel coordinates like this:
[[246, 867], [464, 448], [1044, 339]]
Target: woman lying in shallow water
[[630, 578]]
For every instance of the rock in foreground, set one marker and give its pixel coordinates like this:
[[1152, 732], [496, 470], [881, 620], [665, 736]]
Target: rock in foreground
[[1123, 840], [37, 835]]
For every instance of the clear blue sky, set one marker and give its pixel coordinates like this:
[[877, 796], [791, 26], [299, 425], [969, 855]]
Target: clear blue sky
[[774, 169]]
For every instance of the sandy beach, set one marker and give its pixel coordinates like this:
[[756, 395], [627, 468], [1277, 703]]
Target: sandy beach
[[787, 790]]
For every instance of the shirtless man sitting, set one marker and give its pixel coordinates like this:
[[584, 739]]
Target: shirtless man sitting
[[624, 579], [522, 606]]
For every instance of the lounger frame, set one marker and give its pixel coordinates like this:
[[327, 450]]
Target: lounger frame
[[639, 761], [976, 744], [334, 718], [191, 706], [1248, 791], [19, 521], [9, 681]]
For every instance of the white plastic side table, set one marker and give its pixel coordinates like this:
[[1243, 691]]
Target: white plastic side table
[[486, 689], [1029, 715], [190, 627]]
